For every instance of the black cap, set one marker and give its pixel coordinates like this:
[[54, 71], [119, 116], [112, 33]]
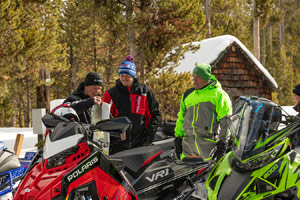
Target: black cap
[[93, 78], [296, 89]]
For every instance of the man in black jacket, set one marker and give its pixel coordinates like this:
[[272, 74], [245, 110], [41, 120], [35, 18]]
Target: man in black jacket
[[295, 138], [85, 96], [137, 102]]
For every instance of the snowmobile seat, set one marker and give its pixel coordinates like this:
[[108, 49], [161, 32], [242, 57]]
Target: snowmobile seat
[[138, 159], [8, 161]]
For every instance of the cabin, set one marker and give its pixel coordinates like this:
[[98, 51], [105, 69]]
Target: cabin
[[235, 67]]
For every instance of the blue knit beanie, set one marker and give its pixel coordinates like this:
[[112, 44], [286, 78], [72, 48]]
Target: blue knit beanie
[[127, 67]]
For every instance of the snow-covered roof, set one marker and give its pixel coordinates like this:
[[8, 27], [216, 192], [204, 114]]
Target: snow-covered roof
[[210, 50]]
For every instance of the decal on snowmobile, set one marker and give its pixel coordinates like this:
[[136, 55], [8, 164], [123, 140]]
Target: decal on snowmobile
[[161, 174], [84, 168], [4, 177], [270, 171]]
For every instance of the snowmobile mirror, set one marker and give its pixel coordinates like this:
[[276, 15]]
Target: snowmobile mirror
[[51, 120], [119, 124]]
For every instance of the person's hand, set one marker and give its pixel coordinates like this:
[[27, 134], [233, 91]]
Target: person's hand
[[123, 136], [147, 141], [97, 100]]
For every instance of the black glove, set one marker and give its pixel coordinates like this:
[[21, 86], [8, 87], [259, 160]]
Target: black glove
[[218, 151], [148, 141], [149, 136], [178, 147]]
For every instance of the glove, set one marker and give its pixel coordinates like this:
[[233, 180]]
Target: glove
[[149, 136], [148, 141], [178, 147], [218, 151]]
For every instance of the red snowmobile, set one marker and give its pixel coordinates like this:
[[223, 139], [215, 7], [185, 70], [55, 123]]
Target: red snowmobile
[[72, 166]]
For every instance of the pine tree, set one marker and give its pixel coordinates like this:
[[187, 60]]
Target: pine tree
[[10, 40], [162, 25], [168, 89], [285, 77], [30, 35]]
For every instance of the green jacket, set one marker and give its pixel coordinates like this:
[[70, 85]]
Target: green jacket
[[202, 116]]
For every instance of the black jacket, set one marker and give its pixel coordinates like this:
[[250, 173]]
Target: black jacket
[[81, 103], [139, 104], [295, 139]]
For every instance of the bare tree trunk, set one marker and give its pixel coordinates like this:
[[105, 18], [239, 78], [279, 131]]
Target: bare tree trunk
[[281, 26], [142, 65], [256, 38], [95, 50], [108, 70], [20, 111], [281, 32], [14, 117], [271, 40], [131, 34], [207, 15], [24, 107], [71, 71], [2, 119], [28, 107], [263, 57], [43, 94], [94, 35]]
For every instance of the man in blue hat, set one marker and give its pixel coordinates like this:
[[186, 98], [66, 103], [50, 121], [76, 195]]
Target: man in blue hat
[[137, 102]]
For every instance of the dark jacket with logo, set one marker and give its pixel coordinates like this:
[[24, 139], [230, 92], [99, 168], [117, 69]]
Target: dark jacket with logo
[[81, 103], [140, 106], [295, 138]]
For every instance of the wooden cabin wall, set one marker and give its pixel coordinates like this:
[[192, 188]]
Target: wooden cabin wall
[[239, 76]]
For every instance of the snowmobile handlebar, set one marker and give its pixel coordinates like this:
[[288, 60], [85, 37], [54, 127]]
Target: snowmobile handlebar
[[115, 125]]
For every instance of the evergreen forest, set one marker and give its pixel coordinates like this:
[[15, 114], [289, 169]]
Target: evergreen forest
[[48, 46]]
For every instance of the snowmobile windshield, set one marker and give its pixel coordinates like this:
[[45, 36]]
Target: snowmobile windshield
[[253, 121]]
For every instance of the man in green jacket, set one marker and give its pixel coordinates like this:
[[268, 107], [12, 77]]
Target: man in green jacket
[[202, 119]]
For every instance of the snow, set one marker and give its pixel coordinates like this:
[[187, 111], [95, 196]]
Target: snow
[[209, 51], [289, 110], [8, 136]]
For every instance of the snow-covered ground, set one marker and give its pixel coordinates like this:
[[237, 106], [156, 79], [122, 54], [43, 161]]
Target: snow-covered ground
[[8, 136]]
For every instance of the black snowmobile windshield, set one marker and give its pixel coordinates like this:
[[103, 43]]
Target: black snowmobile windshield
[[252, 123]]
